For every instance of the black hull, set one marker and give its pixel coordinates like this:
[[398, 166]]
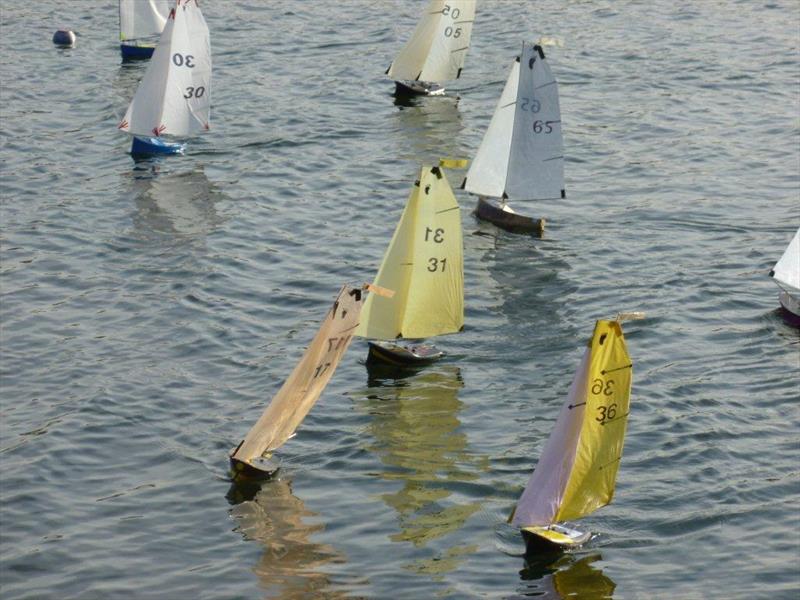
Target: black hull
[[243, 472], [508, 221], [400, 356]]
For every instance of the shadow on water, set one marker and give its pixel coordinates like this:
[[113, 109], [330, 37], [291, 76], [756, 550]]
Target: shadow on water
[[415, 428], [290, 566], [560, 576]]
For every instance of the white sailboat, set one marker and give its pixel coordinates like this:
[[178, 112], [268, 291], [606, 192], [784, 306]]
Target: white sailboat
[[301, 390], [140, 24], [786, 274], [521, 156], [174, 96], [437, 49], [577, 471], [424, 266]]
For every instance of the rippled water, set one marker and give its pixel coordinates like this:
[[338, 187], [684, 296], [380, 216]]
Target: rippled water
[[150, 310]]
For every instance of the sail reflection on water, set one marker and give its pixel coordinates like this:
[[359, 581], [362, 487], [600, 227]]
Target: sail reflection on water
[[416, 434], [291, 566], [174, 204], [567, 576]]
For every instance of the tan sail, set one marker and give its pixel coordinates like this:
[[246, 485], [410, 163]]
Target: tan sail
[[303, 387]]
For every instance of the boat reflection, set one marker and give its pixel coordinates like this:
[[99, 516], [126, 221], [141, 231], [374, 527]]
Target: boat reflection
[[291, 565], [429, 128], [416, 434], [565, 576], [173, 203]]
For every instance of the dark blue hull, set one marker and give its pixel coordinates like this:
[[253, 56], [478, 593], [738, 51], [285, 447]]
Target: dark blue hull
[[152, 146], [134, 52]]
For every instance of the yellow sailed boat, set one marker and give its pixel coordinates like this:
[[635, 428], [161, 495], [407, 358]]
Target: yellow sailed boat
[[251, 459], [424, 267], [577, 471]]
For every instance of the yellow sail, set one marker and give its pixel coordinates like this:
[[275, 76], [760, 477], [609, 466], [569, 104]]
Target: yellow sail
[[594, 471], [423, 265], [303, 387]]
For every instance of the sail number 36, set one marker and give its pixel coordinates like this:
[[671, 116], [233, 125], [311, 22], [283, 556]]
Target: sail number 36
[[606, 413]]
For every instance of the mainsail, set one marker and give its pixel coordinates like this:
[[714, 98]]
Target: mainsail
[[173, 97], [424, 267], [577, 471], [303, 387], [787, 270], [521, 156], [141, 18], [438, 47]]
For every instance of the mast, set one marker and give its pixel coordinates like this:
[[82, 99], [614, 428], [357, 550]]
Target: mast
[[521, 156], [173, 97], [423, 265], [303, 387], [438, 47], [577, 471]]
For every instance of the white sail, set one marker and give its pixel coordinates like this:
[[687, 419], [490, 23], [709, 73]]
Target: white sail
[[438, 47], [142, 18], [521, 156], [173, 97], [487, 173], [545, 490], [787, 270]]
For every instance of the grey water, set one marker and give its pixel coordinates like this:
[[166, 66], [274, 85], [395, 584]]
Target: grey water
[[151, 309]]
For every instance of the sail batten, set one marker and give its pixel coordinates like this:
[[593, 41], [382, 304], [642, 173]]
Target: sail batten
[[423, 265], [576, 473]]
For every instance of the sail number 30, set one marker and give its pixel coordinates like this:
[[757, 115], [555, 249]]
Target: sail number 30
[[181, 60]]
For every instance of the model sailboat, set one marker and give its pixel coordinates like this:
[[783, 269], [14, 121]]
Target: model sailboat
[[140, 23], [437, 48], [577, 471], [302, 389], [786, 274], [424, 267], [173, 98], [521, 157]]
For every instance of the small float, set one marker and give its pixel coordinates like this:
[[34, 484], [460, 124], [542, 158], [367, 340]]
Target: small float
[[521, 156], [173, 97], [436, 51]]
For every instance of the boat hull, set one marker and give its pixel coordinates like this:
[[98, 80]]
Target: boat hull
[[414, 355], [417, 88], [256, 470], [511, 222], [555, 538], [790, 308], [131, 52], [151, 146]]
